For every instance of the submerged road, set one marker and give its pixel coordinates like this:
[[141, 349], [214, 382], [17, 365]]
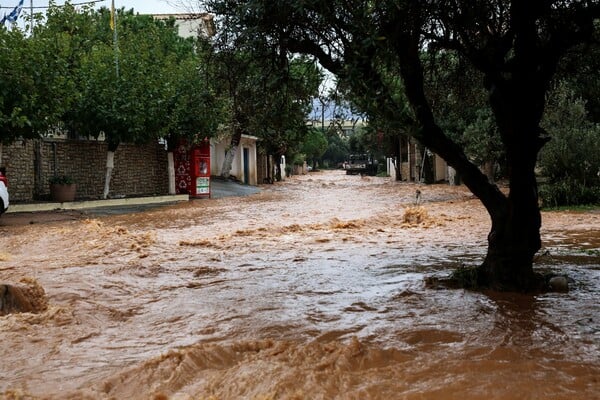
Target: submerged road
[[312, 288]]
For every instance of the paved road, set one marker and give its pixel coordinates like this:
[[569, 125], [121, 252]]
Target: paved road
[[222, 188]]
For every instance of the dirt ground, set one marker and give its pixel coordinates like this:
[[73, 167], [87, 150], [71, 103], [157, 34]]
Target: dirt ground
[[311, 289]]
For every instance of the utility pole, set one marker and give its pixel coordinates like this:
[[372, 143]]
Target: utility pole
[[31, 16]]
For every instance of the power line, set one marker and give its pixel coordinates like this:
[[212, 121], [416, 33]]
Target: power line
[[73, 4]]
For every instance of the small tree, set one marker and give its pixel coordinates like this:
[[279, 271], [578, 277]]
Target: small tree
[[314, 146]]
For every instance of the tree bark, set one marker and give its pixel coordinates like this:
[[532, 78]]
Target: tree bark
[[278, 171], [515, 234], [398, 158], [488, 169], [231, 152], [171, 171], [514, 239], [171, 145], [110, 165]]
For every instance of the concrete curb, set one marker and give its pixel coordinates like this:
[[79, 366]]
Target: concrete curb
[[80, 205]]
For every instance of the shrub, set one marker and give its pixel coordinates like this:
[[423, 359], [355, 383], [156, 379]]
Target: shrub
[[571, 160], [61, 180], [568, 192]]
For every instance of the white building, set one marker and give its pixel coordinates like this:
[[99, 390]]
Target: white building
[[244, 166], [191, 25]]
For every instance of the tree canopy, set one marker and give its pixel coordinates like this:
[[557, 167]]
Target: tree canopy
[[269, 91], [70, 74]]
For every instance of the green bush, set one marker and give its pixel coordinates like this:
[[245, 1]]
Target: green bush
[[568, 192], [61, 180], [571, 160]]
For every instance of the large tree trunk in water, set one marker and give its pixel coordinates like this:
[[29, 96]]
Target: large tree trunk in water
[[514, 237], [231, 152]]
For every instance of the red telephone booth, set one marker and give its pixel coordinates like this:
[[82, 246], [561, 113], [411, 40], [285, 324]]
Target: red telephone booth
[[201, 170]]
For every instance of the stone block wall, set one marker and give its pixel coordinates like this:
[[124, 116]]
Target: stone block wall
[[140, 170], [18, 158]]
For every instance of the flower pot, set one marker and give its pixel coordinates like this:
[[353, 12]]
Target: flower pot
[[63, 192]]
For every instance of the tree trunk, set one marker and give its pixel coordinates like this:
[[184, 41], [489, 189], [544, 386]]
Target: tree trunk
[[488, 169], [172, 142], [515, 235], [398, 158], [110, 165], [278, 171], [514, 238], [228, 161], [269, 169], [171, 171]]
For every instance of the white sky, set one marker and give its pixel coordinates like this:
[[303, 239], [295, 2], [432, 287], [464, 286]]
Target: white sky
[[141, 6]]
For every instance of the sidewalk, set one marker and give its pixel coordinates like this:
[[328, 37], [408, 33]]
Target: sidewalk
[[81, 205], [219, 189]]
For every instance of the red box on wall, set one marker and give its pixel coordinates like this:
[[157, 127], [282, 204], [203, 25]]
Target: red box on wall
[[192, 169], [201, 170]]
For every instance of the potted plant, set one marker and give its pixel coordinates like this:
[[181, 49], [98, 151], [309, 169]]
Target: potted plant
[[62, 188]]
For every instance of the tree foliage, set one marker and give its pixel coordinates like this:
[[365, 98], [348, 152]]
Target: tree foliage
[[70, 75], [571, 160], [314, 145], [35, 89], [268, 91]]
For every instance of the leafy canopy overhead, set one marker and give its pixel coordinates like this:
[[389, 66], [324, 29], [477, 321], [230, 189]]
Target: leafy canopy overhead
[[65, 76]]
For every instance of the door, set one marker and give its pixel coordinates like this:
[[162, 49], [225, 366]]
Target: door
[[246, 165]]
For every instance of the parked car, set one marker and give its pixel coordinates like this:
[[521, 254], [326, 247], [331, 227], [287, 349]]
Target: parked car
[[3, 193]]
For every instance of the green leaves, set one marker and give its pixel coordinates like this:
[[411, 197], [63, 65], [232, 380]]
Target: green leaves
[[65, 75], [573, 153]]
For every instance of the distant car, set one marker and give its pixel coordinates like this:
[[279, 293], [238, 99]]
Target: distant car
[[362, 164], [3, 193]]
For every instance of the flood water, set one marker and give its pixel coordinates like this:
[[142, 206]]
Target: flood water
[[312, 289]]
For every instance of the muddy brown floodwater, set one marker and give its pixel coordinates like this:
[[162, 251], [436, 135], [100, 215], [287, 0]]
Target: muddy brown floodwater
[[312, 289]]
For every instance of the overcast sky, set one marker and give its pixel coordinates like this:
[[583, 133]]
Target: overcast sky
[[141, 6]]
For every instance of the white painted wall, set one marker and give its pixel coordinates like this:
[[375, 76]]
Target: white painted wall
[[217, 155]]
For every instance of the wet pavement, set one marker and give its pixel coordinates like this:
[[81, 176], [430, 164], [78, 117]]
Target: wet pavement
[[312, 288], [36, 213]]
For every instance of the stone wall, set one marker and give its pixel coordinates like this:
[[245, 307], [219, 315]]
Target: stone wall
[[18, 158], [140, 170]]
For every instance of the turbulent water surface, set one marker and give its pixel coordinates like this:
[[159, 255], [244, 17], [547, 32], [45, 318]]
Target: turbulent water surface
[[312, 289]]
